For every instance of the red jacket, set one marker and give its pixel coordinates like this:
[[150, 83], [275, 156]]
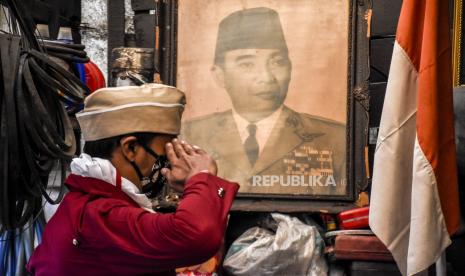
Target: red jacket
[[99, 230]]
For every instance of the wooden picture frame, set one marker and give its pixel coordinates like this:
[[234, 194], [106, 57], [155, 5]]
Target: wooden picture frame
[[181, 35]]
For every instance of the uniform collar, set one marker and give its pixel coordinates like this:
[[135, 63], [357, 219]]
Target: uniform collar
[[264, 126]]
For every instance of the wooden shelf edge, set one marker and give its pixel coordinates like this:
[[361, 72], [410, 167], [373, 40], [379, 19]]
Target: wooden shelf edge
[[290, 206]]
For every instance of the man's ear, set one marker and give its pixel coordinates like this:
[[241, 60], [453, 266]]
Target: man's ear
[[218, 75], [128, 145]]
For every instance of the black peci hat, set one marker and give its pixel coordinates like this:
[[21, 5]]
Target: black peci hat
[[256, 28]]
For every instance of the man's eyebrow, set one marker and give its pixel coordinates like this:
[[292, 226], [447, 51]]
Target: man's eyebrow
[[278, 54], [242, 57]]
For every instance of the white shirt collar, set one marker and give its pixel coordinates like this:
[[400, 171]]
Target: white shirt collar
[[264, 127], [102, 169]]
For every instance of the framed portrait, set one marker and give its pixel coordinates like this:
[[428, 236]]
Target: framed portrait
[[271, 91]]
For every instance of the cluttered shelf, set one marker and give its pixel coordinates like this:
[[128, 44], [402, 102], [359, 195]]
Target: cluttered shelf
[[340, 244]]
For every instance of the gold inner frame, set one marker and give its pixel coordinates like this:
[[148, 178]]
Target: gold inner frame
[[456, 45]]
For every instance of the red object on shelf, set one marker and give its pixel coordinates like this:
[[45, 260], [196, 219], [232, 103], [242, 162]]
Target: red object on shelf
[[94, 76], [354, 219], [363, 248]]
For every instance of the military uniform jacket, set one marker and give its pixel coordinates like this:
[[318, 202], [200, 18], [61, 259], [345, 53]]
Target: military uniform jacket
[[304, 154]]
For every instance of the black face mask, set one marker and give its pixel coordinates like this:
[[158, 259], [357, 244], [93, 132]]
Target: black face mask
[[154, 183]]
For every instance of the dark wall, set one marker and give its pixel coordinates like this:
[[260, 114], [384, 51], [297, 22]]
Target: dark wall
[[56, 14], [383, 30]]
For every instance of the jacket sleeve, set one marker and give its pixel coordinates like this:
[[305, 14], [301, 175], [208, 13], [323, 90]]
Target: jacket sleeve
[[157, 242]]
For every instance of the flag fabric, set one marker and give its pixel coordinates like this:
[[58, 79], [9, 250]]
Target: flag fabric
[[414, 200]]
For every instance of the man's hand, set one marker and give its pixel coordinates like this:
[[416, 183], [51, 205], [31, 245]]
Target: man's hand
[[186, 161]]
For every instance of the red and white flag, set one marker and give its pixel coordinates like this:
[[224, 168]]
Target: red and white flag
[[414, 200]]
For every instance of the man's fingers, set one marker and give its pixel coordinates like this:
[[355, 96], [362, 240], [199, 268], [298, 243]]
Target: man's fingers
[[197, 149], [187, 148], [178, 148], [170, 153]]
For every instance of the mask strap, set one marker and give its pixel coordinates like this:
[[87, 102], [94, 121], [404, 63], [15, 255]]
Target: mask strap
[[134, 165], [150, 151], [136, 168]]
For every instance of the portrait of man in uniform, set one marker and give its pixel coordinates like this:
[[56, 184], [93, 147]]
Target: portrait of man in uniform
[[260, 142]]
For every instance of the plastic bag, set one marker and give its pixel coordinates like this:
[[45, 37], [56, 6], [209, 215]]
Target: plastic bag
[[295, 249]]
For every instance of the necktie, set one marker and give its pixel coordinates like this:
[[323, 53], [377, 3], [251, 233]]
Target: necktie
[[251, 144]]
